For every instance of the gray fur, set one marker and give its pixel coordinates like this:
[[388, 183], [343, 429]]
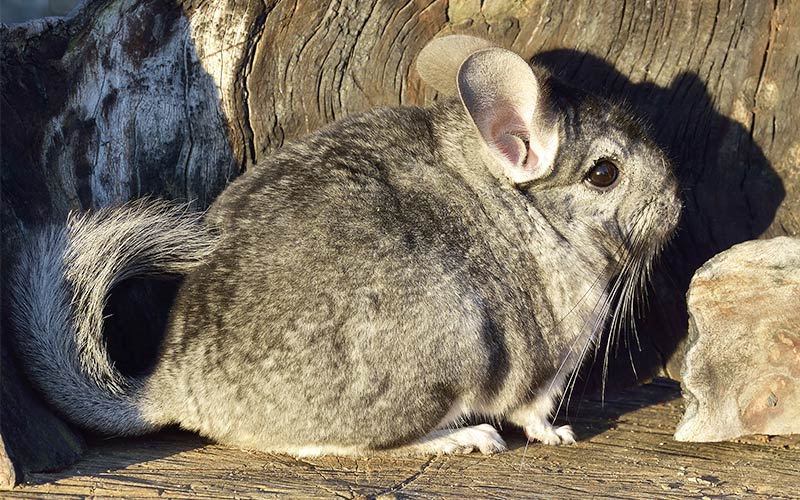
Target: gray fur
[[373, 284], [60, 285]]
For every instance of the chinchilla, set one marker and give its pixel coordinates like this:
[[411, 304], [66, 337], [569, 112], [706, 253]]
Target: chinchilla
[[374, 283]]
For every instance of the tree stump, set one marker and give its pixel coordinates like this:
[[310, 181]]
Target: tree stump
[[130, 98]]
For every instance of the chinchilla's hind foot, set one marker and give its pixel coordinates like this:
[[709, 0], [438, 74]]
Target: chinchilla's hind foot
[[483, 438]]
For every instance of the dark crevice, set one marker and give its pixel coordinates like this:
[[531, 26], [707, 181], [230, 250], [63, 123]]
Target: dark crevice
[[245, 124]]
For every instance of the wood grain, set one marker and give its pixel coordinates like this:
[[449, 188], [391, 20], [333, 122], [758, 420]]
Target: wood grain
[[625, 451]]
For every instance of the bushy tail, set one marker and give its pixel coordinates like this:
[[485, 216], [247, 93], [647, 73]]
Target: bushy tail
[[58, 291]]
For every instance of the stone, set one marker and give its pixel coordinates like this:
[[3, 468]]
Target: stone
[[32, 437], [741, 373]]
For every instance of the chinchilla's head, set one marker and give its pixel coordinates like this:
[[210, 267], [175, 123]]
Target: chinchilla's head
[[584, 163]]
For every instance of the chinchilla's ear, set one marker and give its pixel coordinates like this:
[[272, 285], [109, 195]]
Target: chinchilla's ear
[[439, 61], [504, 99]]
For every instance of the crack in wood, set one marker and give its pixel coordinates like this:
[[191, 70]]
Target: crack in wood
[[396, 488]]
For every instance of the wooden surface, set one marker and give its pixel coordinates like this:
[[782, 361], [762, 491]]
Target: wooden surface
[[625, 451]]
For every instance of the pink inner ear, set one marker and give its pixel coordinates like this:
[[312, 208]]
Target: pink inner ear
[[511, 147], [524, 160], [506, 133]]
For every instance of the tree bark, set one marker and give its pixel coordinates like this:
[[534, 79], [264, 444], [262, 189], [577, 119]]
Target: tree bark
[[130, 98]]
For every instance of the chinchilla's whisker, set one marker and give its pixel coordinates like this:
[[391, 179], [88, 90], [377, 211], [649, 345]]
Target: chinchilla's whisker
[[623, 263], [591, 338], [604, 311], [623, 290], [574, 376], [577, 336], [630, 271]]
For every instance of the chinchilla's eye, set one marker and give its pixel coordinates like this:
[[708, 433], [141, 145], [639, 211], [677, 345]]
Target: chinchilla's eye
[[603, 174]]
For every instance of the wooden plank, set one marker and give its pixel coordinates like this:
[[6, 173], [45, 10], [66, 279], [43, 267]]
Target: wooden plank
[[626, 450]]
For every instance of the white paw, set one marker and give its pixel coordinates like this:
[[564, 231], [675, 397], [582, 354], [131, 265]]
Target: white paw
[[483, 438], [550, 435]]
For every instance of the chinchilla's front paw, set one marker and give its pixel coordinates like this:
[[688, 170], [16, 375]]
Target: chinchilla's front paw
[[533, 418], [547, 433]]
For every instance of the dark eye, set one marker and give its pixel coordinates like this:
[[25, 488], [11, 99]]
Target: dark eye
[[603, 174]]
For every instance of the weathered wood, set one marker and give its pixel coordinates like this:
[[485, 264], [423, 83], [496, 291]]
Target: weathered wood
[[625, 451], [137, 97]]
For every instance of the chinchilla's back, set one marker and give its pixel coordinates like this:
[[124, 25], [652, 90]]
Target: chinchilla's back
[[357, 256]]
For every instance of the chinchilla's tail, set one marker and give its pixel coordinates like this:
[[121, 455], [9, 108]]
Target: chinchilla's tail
[[58, 291]]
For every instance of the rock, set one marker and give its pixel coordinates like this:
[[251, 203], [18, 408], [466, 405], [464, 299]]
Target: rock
[[742, 369], [32, 437], [8, 474]]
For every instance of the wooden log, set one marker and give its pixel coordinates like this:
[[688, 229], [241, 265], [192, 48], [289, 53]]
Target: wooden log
[[130, 98]]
